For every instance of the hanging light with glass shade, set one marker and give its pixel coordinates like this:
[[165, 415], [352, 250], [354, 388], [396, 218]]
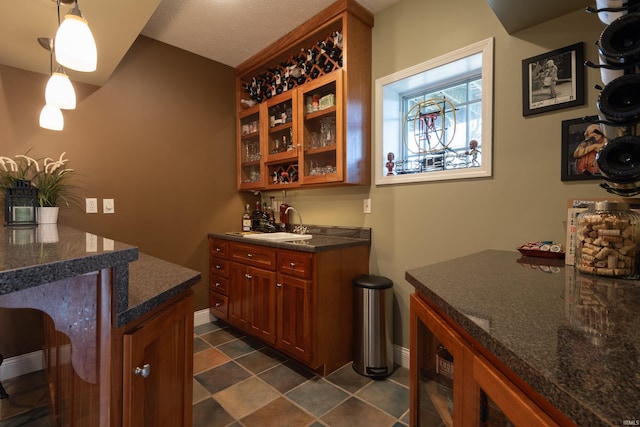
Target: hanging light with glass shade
[[59, 91], [75, 47]]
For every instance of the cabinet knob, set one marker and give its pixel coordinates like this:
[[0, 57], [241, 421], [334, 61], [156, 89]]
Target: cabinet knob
[[249, 255], [248, 276], [218, 249], [218, 284], [218, 267], [218, 304], [145, 371], [278, 285], [292, 264]]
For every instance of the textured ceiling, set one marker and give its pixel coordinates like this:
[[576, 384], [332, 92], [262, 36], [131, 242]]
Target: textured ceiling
[[227, 31]]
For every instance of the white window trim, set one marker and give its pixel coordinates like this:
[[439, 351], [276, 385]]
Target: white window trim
[[392, 129]]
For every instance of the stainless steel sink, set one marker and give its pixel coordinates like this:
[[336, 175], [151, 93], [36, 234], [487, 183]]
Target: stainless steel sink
[[278, 237]]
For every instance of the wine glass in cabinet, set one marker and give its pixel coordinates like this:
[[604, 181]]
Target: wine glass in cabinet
[[250, 149], [322, 129], [283, 148]]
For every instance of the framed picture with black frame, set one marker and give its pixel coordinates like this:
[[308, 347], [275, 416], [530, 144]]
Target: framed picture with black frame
[[581, 141], [553, 80]]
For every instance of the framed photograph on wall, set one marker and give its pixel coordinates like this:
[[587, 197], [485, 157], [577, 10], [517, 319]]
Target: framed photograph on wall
[[553, 80], [581, 141]]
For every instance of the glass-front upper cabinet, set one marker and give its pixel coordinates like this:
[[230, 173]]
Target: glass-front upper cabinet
[[283, 147], [249, 149], [322, 128]]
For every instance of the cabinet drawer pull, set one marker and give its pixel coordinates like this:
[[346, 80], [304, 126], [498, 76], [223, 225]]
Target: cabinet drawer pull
[[218, 267], [278, 285], [218, 284], [218, 304], [248, 276], [218, 249], [249, 255], [292, 264], [145, 371]]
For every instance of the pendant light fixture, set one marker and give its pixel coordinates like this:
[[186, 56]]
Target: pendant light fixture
[[75, 46], [59, 91], [51, 118]]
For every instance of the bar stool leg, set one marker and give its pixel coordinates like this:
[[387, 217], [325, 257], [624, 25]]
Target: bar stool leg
[[3, 393]]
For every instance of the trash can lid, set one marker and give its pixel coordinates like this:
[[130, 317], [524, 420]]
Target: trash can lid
[[372, 282]]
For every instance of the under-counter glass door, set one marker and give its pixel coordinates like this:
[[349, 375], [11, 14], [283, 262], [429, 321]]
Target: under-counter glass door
[[436, 370]]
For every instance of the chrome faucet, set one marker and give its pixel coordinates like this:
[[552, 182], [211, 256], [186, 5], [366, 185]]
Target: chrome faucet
[[300, 228]]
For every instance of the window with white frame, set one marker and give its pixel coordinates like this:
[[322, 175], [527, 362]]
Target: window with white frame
[[433, 120]]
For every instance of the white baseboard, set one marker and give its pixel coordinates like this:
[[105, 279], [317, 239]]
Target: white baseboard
[[31, 362], [21, 365], [202, 317]]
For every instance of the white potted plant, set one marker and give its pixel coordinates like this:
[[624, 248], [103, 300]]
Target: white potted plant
[[52, 180]]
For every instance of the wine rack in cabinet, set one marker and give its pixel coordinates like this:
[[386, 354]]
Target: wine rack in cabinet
[[310, 95]]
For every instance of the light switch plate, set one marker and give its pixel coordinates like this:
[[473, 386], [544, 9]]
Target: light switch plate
[[108, 206], [367, 206]]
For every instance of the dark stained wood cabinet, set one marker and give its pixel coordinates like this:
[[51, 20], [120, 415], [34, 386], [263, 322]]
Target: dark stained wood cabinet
[[298, 302]]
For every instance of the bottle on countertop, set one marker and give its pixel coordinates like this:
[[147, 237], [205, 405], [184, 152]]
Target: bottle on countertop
[[246, 219], [264, 218], [257, 216]]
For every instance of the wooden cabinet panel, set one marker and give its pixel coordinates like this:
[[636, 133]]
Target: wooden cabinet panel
[[157, 369], [257, 256], [239, 296], [263, 304], [218, 305], [295, 317], [219, 284], [219, 267], [219, 248], [297, 264]]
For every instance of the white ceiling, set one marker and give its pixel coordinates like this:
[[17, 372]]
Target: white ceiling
[[227, 31]]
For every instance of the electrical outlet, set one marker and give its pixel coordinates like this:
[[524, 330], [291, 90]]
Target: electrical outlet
[[108, 206], [91, 205], [91, 242], [367, 206]]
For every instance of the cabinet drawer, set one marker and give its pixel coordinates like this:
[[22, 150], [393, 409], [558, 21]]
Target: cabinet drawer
[[219, 248], [218, 305], [219, 284], [258, 256], [296, 264], [218, 267]]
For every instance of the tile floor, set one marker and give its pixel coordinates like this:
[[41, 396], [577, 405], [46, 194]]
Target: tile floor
[[239, 382]]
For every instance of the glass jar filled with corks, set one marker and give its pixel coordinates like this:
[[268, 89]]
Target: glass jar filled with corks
[[607, 240]]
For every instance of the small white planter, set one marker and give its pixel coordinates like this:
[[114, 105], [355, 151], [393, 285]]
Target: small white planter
[[47, 215]]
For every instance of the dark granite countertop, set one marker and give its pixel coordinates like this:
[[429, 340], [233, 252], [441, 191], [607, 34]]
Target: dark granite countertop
[[574, 338], [33, 256], [324, 238]]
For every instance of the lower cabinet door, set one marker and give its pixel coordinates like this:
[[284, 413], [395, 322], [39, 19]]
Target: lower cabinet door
[[294, 317], [239, 307], [158, 369], [263, 304]]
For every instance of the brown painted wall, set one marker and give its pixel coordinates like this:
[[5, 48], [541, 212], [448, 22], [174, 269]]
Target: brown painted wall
[[158, 137]]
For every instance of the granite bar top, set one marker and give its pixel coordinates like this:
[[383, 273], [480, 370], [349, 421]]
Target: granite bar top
[[575, 338], [324, 238], [33, 256], [152, 282]]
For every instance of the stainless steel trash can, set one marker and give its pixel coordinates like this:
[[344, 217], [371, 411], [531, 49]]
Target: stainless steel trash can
[[373, 329]]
